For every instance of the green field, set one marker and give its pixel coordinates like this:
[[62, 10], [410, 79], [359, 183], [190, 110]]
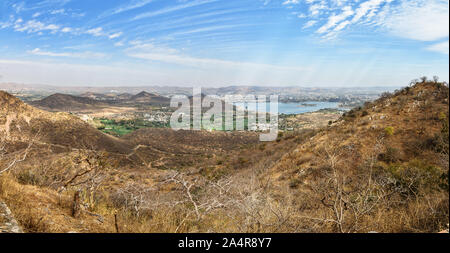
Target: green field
[[123, 127]]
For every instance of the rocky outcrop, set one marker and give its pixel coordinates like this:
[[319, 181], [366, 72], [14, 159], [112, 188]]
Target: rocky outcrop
[[7, 222]]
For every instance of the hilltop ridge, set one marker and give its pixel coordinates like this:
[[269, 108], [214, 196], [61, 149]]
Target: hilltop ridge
[[149, 98], [393, 149], [22, 122], [64, 102], [94, 101]]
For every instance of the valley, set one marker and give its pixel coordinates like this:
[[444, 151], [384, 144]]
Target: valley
[[122, 113], [90, 164]]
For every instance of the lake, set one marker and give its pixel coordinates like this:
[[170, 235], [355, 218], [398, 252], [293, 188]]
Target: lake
[[295, 108]]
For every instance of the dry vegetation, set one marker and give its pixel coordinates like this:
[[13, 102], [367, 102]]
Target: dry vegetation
[[383, 167]]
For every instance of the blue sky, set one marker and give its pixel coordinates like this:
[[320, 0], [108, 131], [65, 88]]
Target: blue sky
[[223, 42]]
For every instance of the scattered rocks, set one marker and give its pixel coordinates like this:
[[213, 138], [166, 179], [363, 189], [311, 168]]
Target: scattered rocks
[[7, 222]]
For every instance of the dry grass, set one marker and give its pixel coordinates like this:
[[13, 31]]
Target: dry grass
[[351, 177], [43, 210]]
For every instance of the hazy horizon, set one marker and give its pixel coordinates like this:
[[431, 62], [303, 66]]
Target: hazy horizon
[[37, 85]]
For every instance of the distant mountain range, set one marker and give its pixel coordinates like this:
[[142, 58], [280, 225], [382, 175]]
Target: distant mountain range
[[88, 101], [172, 90]]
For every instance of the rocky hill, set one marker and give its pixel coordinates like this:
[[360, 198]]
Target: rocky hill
[[149, 99], [383, 166], [67, 103], [128, 99], [409, 123], [20, 122]]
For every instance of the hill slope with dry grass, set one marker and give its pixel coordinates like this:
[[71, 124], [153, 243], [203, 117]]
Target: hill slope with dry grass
[[382, 167], [23, 123], [64, 102], [56, 155]]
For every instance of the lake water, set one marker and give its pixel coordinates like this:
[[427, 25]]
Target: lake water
[[295, 108]]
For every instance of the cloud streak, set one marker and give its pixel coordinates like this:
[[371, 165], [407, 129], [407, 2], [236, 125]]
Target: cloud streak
[[82, 55], [425, 20], [441, 47], [131, 6], [172, 9], [421, 20], [152, 52]]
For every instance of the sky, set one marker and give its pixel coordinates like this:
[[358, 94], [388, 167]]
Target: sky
[[212, 43]]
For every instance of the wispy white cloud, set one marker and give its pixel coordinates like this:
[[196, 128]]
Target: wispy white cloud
[[66, 30], [58, 11], [424, 20], [341, 26], [441, 47], [149, 47], [37, 14], [173, 9], [115, 35], [287, 2], [130, 6], [44, 3], [19, 7], [95, 31], [334, 19], [119, 44], [207, 29], [39, 27], [152, 52], [370, 6], [77, 15], [7, 23], [34, 26], [316, 8], [309, 24], [86, 55]]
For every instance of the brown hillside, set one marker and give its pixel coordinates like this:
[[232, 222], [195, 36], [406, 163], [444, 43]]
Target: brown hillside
[[383, 166], [22, 122], [149, 98], [63, 102], [165, 148], [400, 121]]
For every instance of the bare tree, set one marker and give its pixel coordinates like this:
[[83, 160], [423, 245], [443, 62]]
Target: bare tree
[[135, 197], [213, 197], [413, 82], [349, 198], [436, 79], [17, 158]]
